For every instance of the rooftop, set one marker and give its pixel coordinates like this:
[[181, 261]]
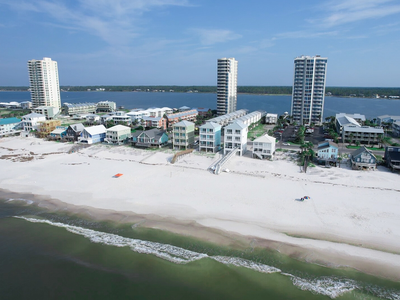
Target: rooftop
[[9, 121]]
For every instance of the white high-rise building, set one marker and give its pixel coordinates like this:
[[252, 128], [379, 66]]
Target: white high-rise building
[[308, 93], [44, 84], [226, 86]]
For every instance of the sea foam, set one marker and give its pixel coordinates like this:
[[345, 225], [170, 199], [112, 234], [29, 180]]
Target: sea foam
[[332, 286], [240, 262], [29, 202]]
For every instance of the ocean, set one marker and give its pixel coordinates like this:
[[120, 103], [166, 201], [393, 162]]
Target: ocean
[[59, 255], [371, 108]]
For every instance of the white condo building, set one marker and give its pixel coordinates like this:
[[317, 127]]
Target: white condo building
[[44, 83], [308, 93], [226, 86]]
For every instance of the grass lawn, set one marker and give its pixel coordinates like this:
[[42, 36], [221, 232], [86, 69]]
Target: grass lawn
[[257, 131], [369, 148]]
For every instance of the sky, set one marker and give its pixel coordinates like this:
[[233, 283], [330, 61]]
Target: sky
[[178, 42]]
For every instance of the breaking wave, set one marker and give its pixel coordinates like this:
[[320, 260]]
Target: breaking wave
[[29, 202], [241, 262], [330, 286]]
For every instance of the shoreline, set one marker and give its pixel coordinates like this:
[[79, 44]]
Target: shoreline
[[235, 219], [327, 257]]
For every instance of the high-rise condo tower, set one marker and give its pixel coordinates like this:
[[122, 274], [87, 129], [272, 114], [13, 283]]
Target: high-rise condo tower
[[226, 86], [44, 84], [308, 93]]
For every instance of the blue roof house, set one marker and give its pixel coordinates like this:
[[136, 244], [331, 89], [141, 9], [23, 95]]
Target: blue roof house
[[327, 151], [8, 125]]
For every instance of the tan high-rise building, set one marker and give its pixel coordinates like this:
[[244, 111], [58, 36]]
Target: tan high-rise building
[[44, 83], [308, 93]]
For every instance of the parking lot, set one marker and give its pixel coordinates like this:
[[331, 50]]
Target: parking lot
[[289, 135]]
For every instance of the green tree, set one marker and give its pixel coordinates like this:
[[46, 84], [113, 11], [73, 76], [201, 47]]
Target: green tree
[[306, 154], [351, 136]]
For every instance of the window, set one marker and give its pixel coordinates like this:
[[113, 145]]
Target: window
[[237, 131]]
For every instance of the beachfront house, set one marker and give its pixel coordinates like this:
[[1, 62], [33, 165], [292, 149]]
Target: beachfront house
[[235, 136], [363, 159], [264, 147], [327, 152], [93, 135], [150, 138], [59, 133], [183, 135], [210, 137], [392, 158], [74, 132], [30, 121], [118, 134], [9, 126]]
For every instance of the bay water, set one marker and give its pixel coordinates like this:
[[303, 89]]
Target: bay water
[[60, 255], [278, 104]]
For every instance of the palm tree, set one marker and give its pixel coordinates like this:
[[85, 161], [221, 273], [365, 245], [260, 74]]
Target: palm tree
[[307, 152], [351, 136]]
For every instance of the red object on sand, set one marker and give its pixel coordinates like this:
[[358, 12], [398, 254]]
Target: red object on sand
[[118, 175]]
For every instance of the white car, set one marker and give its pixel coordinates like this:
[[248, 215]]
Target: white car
[[286, 144]]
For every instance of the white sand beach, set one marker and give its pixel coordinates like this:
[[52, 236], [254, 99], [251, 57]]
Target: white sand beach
[[352, 218]]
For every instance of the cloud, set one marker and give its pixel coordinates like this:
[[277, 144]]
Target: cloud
[[348, 11], [117, 22], [214, 36]]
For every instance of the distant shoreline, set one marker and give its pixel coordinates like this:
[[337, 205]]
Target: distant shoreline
[[341, 92], [257, 94]]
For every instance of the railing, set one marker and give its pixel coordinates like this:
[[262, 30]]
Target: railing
[[217, 168], [180, 154]]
